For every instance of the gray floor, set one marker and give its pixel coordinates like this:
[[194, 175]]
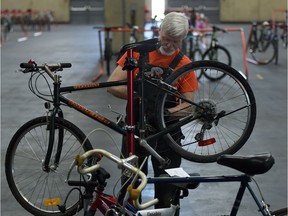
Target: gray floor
[[79, 45]]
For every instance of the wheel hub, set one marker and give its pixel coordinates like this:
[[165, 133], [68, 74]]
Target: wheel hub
[[206, 110]]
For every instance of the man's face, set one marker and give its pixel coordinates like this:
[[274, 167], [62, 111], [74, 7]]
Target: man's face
[[169, 44]]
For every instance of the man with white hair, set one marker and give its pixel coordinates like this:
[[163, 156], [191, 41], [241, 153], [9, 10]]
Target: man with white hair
[[173, 30]]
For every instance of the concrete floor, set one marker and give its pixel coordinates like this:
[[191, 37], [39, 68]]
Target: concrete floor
[[79, 45]]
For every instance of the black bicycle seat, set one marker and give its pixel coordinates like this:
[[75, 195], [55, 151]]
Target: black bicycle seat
[[251, 164]]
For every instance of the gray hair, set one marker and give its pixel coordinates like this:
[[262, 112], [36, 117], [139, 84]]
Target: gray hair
[[175, 25]]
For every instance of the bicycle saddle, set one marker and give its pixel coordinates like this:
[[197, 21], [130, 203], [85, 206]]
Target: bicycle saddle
[[142, 46], [250, 164]]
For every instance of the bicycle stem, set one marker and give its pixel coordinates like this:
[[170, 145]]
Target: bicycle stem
[[161, 160]]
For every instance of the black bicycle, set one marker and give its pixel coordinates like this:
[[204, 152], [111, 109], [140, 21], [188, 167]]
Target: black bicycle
[[216, 52], [263, 42], [218, 120]]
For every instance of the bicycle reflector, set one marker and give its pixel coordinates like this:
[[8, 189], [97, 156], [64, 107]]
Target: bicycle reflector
[[52, 202], [207, 142]]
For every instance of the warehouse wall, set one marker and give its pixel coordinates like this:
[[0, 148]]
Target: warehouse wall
[[61, 8], [229, 10], [209, 7], [119, 15], [250, 10]]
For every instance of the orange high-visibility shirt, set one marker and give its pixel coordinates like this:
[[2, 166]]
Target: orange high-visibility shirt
[[186, 83]]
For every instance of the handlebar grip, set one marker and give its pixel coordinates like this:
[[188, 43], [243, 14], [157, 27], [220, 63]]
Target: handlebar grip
[[65, 65], [27, 65], [134, 193]]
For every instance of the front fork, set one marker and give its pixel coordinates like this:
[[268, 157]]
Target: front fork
[[56, 112], [51, 127]]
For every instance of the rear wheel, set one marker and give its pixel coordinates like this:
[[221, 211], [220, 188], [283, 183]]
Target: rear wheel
[[219, 121], [36, 189]]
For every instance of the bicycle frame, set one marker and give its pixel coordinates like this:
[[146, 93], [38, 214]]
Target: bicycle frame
[[127, 131], [104, 202], [243, 179]]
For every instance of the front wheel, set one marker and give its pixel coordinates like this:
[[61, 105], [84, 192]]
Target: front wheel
[[39, 190], [280, 212], [217, 119]]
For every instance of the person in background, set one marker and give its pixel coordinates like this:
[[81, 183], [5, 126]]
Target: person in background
[[173, 30]]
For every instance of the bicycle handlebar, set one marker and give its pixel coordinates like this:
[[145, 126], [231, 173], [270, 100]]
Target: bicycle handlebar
[[31, 66], [52, 66], [122, 163], [216, 28]]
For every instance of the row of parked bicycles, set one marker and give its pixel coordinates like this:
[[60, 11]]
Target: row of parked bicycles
[[29, 20], [262, 44]]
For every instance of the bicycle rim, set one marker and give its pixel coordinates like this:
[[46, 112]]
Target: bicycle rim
[[38, 191], [227, 106]]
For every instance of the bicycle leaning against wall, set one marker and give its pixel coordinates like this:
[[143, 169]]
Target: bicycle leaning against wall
[[218, 121]]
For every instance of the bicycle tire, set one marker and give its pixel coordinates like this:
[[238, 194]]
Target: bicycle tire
[[231, 95], [23, 166], [280, 212], [197, 55], [217, 53]]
